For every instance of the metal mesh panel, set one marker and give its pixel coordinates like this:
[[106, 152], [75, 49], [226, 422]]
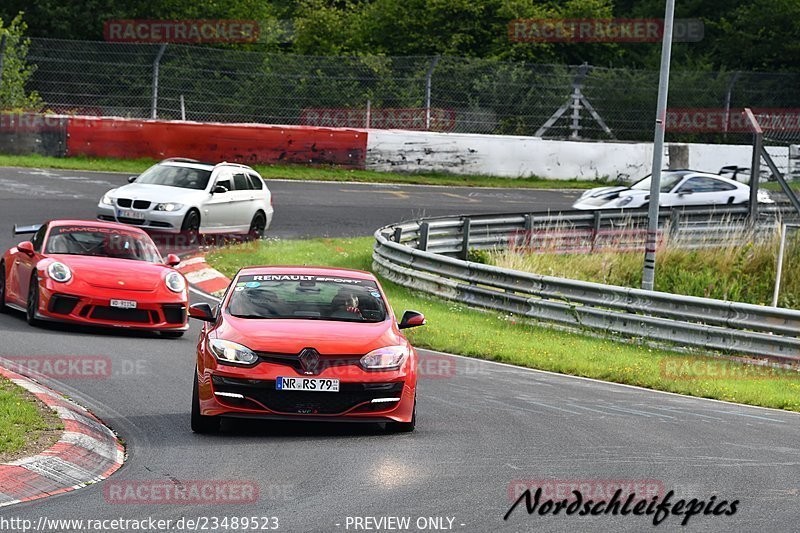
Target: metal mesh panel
[[466, 95]]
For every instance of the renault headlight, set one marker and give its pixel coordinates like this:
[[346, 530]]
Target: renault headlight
[[231, 352], [175, 282], [59, 272], [387, 358], [169, 206]]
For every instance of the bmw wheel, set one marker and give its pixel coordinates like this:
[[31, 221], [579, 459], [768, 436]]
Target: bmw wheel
[[191, 226], [257, 226]]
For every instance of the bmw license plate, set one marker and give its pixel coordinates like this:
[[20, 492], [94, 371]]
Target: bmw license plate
[[307, 384], [130, 214], [123, 304]]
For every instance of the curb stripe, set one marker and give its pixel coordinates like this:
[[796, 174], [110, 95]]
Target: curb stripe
[[87, 452]]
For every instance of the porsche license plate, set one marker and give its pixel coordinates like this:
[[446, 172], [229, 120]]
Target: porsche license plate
[[123, 304], [307, 384], [130, 214]]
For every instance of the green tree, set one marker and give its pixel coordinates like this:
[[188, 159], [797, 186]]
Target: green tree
[[15, 71]]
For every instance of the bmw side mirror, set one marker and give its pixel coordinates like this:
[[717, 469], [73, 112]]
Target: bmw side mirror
[[411, 319], [131, 179], [219, 189], [26, 247], [201, 311], [173, 260]]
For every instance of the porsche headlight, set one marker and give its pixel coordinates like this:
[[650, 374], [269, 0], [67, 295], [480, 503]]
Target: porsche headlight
[[387, 358], [169, 206], [106, 200], [175, 282], [59, 272], [231, 352], [624, 201]]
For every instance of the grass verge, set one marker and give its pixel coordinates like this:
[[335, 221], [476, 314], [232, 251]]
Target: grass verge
[[304, 172], [26, 425], [457, 329]]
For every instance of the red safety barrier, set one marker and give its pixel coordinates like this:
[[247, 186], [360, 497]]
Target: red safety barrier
[[244, 143]]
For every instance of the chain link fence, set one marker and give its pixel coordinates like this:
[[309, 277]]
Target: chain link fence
[[435, 93]]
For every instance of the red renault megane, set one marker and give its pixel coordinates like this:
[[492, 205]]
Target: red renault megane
[[304, 343]]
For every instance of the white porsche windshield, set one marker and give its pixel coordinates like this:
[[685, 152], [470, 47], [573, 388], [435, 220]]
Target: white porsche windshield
[[668, 181], [306, 297]]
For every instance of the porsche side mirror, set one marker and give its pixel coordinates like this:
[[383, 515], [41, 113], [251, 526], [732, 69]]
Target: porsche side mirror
[[219, 189], [131, 179], [26, 247], [173, 260], [202, 311], [411, 319]]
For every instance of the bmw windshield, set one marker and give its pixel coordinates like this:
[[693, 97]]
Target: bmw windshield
[[276, 296], [175, 176], [101, 242]]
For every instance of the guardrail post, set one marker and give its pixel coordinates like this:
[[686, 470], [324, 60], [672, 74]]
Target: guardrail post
[[595, 228], [422, 242], [674, 222], [465, 231], [398, 234], [528, 232]]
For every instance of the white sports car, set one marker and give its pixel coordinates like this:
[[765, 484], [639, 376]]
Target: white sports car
[[678, 187]]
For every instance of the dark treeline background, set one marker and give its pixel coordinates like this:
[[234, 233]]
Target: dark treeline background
[[757, 35]]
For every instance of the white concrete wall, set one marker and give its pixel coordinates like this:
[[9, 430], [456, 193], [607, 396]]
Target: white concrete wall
[[514, 157]]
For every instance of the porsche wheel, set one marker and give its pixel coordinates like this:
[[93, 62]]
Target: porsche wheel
[[3, 288], [33, 301], [404, 427], [201, 423]]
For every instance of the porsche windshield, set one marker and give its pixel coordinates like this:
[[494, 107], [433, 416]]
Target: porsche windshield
[[306, 297], [175, 176], [101, 242], [668, 181]]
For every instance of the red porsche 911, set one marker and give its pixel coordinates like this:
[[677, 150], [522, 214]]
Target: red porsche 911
[[94, 273], [304, 343]]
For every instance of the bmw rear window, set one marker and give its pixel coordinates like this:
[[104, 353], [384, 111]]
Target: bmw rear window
[[282, 296]]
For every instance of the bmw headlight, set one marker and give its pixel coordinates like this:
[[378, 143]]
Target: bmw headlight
[[59, 272], [175, 282], [106, 200], [625, 200], [169, 206], [387, 358], [231, 352]]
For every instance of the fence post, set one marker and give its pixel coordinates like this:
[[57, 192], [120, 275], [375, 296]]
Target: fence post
[[674, 221], [428, 77], [528, 232], [369, 113], [422, 241], [183, 109], [2, 55], [465, 231], [156, 62]]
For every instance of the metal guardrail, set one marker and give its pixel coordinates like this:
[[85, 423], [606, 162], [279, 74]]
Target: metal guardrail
[[429, 255]]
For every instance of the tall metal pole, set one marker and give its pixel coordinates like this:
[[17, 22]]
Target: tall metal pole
[[428, 77], [156, 62], [648, 273]]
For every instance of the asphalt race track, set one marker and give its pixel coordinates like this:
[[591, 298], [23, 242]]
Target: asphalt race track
[[483, 428]]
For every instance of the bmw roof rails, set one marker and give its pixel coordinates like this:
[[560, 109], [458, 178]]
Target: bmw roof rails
[[180, 160], [233, 165]]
